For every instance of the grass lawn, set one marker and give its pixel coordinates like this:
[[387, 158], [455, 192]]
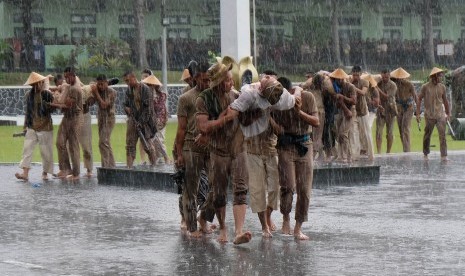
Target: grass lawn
[[11, 148]]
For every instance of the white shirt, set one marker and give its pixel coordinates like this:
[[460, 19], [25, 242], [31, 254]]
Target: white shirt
[[250, 99]]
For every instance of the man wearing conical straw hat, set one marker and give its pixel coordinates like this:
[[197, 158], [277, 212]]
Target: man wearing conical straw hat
[[405, 99], [345, 95], [38, 127], [387, 110], [227, 150], [436, 111]]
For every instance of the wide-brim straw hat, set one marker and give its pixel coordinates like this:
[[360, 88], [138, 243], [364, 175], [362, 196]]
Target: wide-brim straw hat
[[370, 79], [231, 62], [152, 80], [218, 73], [399, 73], [339, 74], [34, 78], [244, 65], [435, 71], [185, 75]]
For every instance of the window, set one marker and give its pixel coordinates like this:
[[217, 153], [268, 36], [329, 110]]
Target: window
[[78, 35], [126, 19], [392, 21], [83, 19], [35, 18], [48, 35], [350, 21], [127, 34], [350, 35], [179, 19], [179, 33], [392, 34]]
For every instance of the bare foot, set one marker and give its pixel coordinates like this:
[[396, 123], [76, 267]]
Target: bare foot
[[89, 174], [300, 236], [266, 234], [205, 227], [196, 234], [271, 225], [72, 177], [183, 224], [21, 176], [223, 237], [243, 238], [444, 159], [286, 229], [61, 174], [44, 176]]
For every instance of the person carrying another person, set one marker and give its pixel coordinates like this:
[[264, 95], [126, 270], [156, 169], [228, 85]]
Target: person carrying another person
[[227, 150], [295, 156]]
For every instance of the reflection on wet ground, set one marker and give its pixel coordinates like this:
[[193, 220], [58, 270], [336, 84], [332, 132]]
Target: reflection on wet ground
[[410, 223]]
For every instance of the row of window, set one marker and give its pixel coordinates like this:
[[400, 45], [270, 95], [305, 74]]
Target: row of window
[[126, 19]]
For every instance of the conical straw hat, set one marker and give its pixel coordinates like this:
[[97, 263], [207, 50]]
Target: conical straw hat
[[185, 75], [152, 80], [370, 79], [399, 73], [339, 74], [34, 78], [435, 71], [244, 65]]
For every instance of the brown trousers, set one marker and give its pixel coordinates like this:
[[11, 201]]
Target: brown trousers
[[295, 176], [441, 126], [105, 127], [131, 141], [404, 121], [343, 127], [194, 163], [68, 133], [226, 169], [85, 141], [388, 120]]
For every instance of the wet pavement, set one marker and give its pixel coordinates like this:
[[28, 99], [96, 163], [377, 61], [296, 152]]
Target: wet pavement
[[410, 223]]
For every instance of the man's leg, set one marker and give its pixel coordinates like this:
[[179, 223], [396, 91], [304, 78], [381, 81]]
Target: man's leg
[[46, 151], [287, 186], [73, 131], [441, 126], [304, 182], [240, 181], [85, 140]]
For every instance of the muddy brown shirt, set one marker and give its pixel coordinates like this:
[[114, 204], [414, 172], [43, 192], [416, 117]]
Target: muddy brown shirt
[[389, 88], [74, 94], [229, 139], [432, 95], [291, 121], [186, 108], [361, 105], [109, 96]]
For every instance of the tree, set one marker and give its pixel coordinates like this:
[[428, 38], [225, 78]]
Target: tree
[[140, 30], [425, 9], [335, 31]]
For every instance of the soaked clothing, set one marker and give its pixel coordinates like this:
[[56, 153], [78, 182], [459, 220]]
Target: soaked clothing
[[344, 124], [434, 115], [196, 159], [69, 131], [317, 132], [405, 104], [386, 117], [227, 150], [295, 165], [106, 123], [39, 129], [140, 102], [361, 130]]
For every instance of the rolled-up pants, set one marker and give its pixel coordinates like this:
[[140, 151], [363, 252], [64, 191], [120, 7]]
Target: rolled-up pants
[[45, 141], [225, 170]]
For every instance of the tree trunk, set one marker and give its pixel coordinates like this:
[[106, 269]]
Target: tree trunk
[[140, 42], [335, 32], [428, 21], [26, 14]]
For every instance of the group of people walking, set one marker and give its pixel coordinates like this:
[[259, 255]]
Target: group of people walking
[[144, 105], [261, 140]]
